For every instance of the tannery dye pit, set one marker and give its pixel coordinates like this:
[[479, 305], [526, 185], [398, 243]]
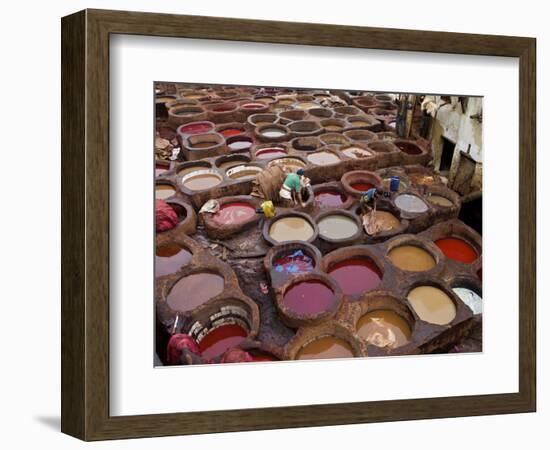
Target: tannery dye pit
[[297, 224]]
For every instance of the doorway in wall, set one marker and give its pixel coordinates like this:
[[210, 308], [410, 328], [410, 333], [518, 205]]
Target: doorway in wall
[[447, 153]]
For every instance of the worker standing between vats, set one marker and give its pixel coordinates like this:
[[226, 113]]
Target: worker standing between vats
[[291, 190]]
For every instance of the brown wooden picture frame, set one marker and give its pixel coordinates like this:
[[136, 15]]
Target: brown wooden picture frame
[[85, 224]]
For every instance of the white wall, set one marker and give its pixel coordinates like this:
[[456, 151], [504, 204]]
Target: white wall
[[30, 238]]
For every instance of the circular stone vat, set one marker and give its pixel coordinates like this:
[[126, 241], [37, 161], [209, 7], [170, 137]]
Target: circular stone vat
[[439, 200], [239, 143], [410, 203], [272, 132], [333, 125], [432, 304], [226, 162], [304, 128], [356, 152], [382, 146], [290, 116], [222, 338], [323, 158], [164, 191], [169, 258], [358, 181], [288, 162], [254, 106], [326, 347], [363, 136], [228, 130], [270, 153], [194, 290], [203, 141], [410, 148], [257, 120], [457, 249], [243, 172], [338, 226], [309, 298], [291, 227], [201, 179], [411, 258], [234, 213], [362, 122], [382, 221], [356, 275], [196, 128], [471, 298], [330, 198], [334, 139], [305, 144], [190, 167], [384, 328], [306, 105], [321, 113], [347, 110]]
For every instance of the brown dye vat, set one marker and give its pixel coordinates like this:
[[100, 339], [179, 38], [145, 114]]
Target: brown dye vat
[[381, 147], [202, 181], [432, 305], [411, 258], [323, 158], [226, 162], [440, 200], [163, 191], [333, 139], [383, 221], [326, 347], [170, 258], [363, 136], [305, 144], [304, 127], [337, 227], [408, 147], [194, 290], [384, 328], [291, 228]]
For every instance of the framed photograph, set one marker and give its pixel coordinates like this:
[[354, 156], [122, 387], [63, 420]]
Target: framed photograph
[[272, 225]]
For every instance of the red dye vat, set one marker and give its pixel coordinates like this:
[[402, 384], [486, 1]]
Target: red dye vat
[[309, 298], [253, 105], [221, 339], [195, 128], [268, 153], [330, 199], [234, 213], [295, 263], [362, 187], [457, 249], [356, 275], [228, 132]]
